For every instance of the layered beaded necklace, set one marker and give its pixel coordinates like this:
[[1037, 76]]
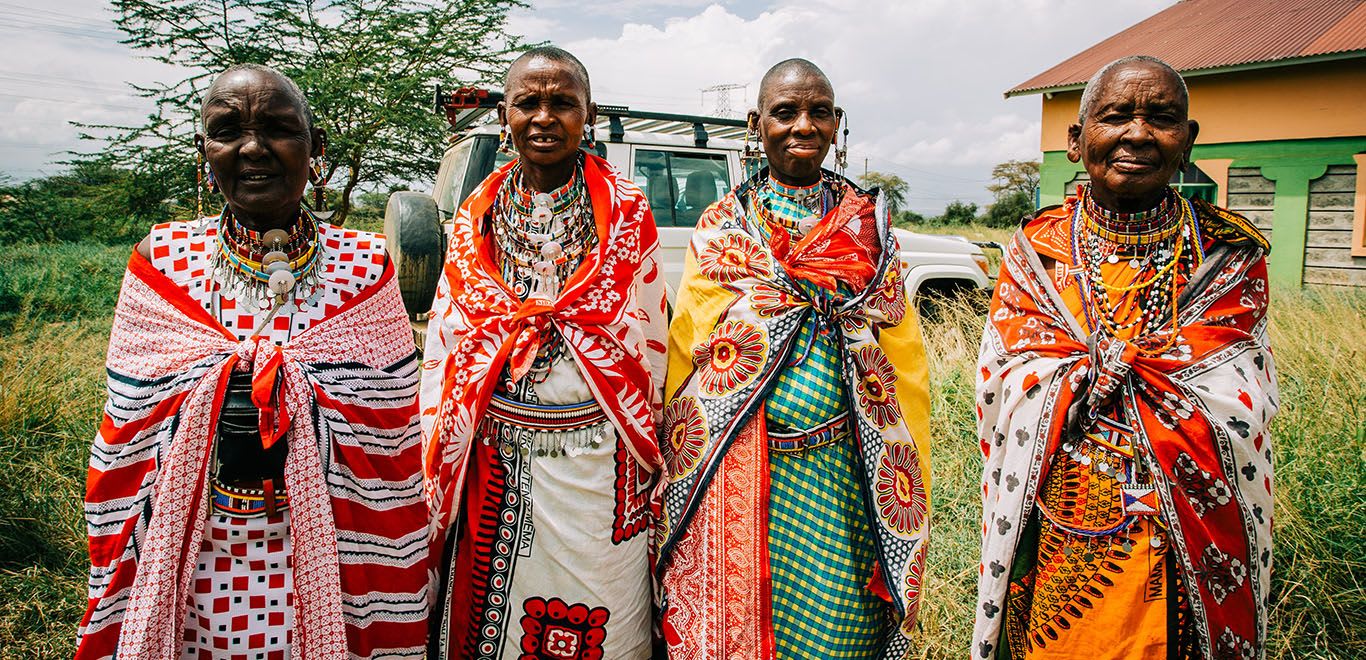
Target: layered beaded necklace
[[1163, 246], [541, 240], [542, 237], [260, 269]]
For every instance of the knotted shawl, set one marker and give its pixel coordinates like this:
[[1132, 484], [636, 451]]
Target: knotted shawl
[[737, 317], [1200, 412], [346, 403]]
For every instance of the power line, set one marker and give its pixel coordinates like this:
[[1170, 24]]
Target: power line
[[72, 101]]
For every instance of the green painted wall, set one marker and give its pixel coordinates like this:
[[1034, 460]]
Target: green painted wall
[[1292, 164]]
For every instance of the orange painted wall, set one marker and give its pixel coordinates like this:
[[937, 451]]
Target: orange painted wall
[[1285, 103]]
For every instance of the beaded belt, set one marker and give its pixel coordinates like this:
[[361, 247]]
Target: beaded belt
[[829, 433], [546, 418], [238, 502]]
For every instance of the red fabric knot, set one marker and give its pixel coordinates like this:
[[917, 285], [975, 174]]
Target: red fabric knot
[[530, 322], [265, 367], [828, 255]]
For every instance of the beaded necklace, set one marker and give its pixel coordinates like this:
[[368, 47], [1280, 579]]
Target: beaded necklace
[[796, 209], [1163, 245], [246, 260], [541, 239]]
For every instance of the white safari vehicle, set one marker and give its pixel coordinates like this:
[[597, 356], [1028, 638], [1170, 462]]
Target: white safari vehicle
[[683, 163]]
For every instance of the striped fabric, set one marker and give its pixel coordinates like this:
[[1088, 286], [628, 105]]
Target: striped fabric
[[821, 556], [810, 391], [347, 396]]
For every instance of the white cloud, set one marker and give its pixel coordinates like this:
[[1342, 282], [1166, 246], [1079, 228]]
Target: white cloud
[[921, 80]]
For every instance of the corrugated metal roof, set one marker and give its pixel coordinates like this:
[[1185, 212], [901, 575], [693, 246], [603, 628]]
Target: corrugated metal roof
[[1195, 35]]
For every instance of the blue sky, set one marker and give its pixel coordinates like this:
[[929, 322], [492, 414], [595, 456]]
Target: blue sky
[[922, 80]]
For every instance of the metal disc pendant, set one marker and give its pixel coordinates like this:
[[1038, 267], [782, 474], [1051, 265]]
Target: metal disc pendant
[[275, 238], [1114, 258], [542, 200], [274, 256], [544, 268], [552, 250]]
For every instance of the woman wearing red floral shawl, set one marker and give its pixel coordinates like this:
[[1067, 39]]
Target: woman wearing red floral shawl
[[544, 358], [1125, 390]]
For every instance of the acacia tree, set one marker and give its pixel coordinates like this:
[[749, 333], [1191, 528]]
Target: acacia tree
[[893, 187], [1014, 176], [368, 67]]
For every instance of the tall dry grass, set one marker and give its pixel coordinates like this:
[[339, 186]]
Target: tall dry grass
[[51, 380]]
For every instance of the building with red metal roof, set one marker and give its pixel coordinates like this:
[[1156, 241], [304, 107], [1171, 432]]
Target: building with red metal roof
[[1279, 89]]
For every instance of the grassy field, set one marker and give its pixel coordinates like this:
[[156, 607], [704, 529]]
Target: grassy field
[[55, 324]]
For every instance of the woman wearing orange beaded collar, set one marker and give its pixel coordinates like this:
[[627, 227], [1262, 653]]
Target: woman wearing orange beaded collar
[[258, 468], [543, 363], [1126, 388]]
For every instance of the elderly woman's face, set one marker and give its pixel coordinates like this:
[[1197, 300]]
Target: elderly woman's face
[[797, 124], [257, 142], [545, 108], [1135, 137]]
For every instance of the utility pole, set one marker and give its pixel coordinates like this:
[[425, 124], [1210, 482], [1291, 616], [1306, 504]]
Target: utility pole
[[865, 167], [722, 91]]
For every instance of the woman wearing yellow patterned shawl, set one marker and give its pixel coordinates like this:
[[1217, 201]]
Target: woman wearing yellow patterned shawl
[[797, 424]]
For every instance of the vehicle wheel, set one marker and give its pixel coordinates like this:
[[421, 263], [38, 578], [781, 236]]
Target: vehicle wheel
[[417, 246]]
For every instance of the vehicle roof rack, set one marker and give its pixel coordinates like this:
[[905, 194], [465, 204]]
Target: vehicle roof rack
[[466, 107]]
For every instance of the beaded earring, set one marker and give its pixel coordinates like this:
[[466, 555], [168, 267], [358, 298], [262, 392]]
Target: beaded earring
[[198, 185], [316, 168], [752, 151], [504, 141], [589, 137], [841, 148]]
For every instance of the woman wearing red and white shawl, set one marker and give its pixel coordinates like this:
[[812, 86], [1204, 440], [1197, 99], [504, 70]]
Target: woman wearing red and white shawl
[[1125, 390], [255, 488], [541, 390]]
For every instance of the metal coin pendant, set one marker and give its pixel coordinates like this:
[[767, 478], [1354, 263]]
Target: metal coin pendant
[[542, 199], [552, 250], [544, 268], [274, 256]]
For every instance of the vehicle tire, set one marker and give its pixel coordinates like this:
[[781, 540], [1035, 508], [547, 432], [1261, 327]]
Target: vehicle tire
[[417, 246]]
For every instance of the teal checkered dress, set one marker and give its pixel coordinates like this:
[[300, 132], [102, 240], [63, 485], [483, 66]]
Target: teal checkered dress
[[821, 552]]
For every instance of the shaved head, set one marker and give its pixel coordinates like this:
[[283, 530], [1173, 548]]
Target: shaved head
[[554, 54], [795, 67]]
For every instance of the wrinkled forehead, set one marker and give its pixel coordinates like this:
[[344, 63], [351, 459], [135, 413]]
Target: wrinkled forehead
[[1140, 84], [262, 90]]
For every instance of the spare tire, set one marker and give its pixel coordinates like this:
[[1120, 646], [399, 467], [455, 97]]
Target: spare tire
[[417, 247]]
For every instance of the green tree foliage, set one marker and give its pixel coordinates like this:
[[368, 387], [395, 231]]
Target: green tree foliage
[[893, 187], [1014, 176], [95, 200], [1009, 208], [368, 68], [958, 213], [908, 218]]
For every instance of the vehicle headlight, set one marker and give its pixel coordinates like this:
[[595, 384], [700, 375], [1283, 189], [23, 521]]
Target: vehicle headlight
[[982, 263]]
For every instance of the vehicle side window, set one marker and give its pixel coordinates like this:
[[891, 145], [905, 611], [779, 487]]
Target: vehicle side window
[[680, 185]]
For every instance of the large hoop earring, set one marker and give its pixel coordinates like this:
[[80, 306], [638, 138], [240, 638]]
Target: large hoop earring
[[505, 141]]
